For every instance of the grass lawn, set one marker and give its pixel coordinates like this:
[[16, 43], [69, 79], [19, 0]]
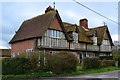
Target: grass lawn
[[48, 74]]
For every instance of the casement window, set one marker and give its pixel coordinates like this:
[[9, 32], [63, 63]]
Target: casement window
[[53, 38], [106, 42], [62, 35], [54, 34], [75, 37], [58, 34], [50, 33], [39, 42], [94, 40], [42, 41]]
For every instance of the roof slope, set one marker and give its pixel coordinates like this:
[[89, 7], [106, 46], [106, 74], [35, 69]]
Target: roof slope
[[101, 30], [34, 27], [82, 37], [100, 33]]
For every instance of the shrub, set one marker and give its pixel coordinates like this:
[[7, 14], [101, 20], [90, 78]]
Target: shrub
[[91, 63], [61, 62], [106, 57], [32, 56], [107, 63], [15, 65], [116, 56]]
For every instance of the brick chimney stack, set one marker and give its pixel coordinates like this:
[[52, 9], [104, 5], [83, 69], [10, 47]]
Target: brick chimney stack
[[84, 23]]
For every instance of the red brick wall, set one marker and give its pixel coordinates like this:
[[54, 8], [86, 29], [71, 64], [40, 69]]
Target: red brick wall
[[55, 24], [22, 46]]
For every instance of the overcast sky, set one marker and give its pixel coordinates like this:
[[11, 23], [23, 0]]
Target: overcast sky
[[14, 13]]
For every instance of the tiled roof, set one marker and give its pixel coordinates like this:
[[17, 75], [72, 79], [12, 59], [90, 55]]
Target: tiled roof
[[37, 26], [82, 35], [34, 27], [100, 33]]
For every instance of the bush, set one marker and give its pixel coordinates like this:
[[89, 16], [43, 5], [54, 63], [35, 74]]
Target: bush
[[91, 63], [32, 56], [116, 56], [15, 65], [106, 57], [107, 63], [61, 62]]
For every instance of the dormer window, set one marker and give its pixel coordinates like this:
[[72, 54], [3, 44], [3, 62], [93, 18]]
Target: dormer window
[[75, 37], [94, 40]]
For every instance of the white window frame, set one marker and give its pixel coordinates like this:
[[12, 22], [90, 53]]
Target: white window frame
[[29, 50], [106, 42]]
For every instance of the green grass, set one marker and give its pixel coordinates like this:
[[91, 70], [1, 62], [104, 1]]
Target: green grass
[[48, 74]]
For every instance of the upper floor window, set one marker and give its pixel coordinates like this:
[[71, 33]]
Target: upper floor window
[[94, 40], [50, 34], [106, 42], [75, 36], [55, 34]]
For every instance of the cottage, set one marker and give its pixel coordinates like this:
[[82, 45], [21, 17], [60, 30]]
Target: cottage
[[5, 52], [47, 33]]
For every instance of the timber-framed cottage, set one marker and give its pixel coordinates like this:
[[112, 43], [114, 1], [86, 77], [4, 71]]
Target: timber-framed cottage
[[48, 33]]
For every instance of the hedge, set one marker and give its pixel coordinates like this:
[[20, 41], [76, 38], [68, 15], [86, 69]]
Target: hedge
[[91, 63], [15, 66], [61, 62], [106, 57], [107, 63]]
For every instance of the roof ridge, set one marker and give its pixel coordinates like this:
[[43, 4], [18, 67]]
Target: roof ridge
[[99, 27], [69, 23]]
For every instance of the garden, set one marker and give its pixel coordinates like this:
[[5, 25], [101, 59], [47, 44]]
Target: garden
[[55, 65]]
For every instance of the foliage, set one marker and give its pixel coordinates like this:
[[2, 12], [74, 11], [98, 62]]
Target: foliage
[[15, 65], [32, 56], [91, 63], [107, 63], [106, 57], [61, 62], [116, 56]]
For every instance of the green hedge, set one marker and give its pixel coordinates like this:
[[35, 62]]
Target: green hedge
[[61, 62], [15, 66], [106, 57], [91, 63], [107, 63]]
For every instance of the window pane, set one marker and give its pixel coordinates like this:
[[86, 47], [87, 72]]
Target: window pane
[[51, 33], [58, 36], [54, 33], [47, 33], [75, 36], [62, 35]]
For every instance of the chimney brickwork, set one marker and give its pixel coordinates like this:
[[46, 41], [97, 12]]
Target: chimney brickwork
[[84, 23]]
